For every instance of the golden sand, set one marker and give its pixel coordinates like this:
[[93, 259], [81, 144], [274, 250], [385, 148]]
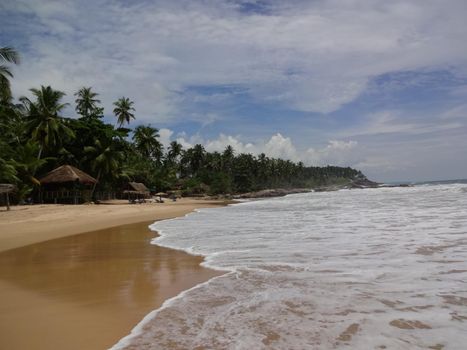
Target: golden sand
[[88, 290], [36, 223]]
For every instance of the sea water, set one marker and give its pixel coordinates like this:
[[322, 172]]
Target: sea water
[[353, 269]]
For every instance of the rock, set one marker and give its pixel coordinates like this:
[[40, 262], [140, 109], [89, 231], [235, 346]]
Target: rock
[[278, 192]]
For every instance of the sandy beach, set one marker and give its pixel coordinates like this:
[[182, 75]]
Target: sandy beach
[[25, 225], [81, 277]]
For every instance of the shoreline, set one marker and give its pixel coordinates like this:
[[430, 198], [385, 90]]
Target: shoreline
[[116, 270], [24, 225]]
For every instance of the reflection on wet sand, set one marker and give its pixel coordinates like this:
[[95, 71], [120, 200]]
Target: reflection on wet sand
[[89, 290]]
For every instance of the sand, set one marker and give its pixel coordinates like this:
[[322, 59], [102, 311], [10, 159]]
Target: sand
[[25, 225], [62, 287]]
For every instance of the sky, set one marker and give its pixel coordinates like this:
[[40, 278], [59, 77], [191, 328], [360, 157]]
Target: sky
[[373, 84]]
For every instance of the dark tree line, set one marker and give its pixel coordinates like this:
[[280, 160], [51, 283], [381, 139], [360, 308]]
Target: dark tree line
[[35, 138]]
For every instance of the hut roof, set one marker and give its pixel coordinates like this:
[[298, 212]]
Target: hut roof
[[138, 187], [67, 173]]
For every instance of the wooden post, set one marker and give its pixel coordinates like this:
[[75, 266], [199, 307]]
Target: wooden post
[[7, 201]]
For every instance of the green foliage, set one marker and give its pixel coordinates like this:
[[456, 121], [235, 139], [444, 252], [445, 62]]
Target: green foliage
[[87, 105], [193, 187], [44, 124], [8, 171], [146, 142], [36, 138], [122, 110], [7, 55], [220, 184], [27, 162]]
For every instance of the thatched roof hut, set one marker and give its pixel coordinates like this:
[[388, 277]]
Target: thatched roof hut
[[67, 173], [66, 184], [137, 189]]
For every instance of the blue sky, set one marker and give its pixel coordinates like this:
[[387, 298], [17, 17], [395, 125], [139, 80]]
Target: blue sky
[[376, 85]]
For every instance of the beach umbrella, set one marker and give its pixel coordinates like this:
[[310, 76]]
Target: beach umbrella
[[7, 189], [161, 194]]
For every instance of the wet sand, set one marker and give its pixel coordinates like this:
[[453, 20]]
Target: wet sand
[[25, 225], [88, 290]]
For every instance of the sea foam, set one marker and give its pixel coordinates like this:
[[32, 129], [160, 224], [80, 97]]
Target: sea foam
[[360, 269]]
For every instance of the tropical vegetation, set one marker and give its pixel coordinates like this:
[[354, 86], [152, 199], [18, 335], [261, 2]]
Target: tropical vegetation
[[37, 137]]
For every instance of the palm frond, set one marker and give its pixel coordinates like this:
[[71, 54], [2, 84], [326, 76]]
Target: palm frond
[[9, 54], [4, 71]]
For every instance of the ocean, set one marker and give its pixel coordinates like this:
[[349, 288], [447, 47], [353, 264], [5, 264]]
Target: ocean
[[352, 269]]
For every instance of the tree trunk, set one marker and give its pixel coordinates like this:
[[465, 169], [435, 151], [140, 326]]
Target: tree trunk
[[38, 157], [95, 184], [40, 152]]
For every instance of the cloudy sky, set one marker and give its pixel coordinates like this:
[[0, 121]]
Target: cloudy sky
[[373, 84]]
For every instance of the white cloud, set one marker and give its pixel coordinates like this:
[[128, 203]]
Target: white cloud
[[407, 159], [281, 147], [457, 112], [336, 152], [223, 141], [165, 137], [397, 122], [309, 56], [303, 55]]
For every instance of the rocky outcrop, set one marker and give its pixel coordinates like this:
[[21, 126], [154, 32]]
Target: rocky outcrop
[[359, 182], [363, 183], [277, 192]]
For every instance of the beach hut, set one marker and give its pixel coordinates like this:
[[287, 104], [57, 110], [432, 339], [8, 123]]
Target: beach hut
[[66, 184], [6, 189], [136, 190]]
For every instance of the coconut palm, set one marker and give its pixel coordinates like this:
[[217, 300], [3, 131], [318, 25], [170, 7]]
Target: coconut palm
[[197, 158], [105, 158], [175, 149], [26, 161], [7, 164], [45, 125], [86, 102], [214, 162], [146, 142], [7, 55], [228, 157], [122, 110]]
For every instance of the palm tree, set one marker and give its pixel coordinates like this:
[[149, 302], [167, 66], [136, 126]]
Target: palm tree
[[7, 55], [27, 162], [243, 174], [146, 142], [227, 159], [175, 149], [197, 158], [86, 102], [105, 158], [122, 111], [8, 170], [12, 123], [214, 162], [45, 125]]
